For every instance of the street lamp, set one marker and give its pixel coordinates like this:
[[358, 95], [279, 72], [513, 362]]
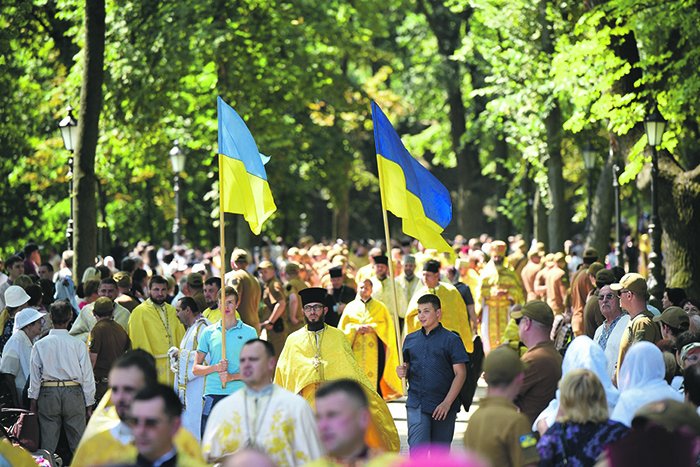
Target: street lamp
[[589, 162], [69, 133], [177, 160], [654, 125], [618, 216]]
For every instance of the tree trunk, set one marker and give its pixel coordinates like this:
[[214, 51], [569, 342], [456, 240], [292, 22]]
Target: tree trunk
[[342, 218], [679, 211], [84, 208], [500, 153], [447, 26], [598, 235], [540, 221], [558, 216], [558, 220], [526, 185]]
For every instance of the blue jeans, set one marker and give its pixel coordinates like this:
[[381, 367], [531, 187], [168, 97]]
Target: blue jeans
[[209, 402], [424, 430]]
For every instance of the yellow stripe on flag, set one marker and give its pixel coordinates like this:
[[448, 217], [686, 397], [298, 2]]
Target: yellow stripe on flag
[[240, 191]]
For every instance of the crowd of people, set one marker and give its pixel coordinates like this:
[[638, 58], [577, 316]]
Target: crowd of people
[[151, 359]]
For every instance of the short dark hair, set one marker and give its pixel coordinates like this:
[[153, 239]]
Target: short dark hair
[[48, 266], [171, 401], [691, 383], [347, 386], [156, 279], [269, 349], [230, 291], [191, 303], [61, 312], [430, 299], [142, 360], [9, 262], [685, 338], [676, 331], [128, 264], [104, 271], [213, 281], [30, 248], [36, 294], [109, 281]]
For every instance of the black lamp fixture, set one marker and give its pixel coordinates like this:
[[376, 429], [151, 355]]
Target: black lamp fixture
[[177, 160], [654, 125]]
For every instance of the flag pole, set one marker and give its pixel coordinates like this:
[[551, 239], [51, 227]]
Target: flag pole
[[222, 271], [394, 313]]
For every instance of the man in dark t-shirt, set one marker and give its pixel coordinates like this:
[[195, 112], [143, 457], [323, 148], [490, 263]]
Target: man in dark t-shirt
[[108, 341]]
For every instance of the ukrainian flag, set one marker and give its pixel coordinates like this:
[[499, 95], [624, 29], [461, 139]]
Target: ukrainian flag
[[408, 189], [243, 181]]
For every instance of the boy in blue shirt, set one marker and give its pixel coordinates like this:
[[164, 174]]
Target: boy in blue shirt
[[221, 370], [435, 367]]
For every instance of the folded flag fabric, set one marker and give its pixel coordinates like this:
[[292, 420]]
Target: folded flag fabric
[[408, 189], [243, 181]]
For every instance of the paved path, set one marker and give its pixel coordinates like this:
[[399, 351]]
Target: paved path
[[398, 411]]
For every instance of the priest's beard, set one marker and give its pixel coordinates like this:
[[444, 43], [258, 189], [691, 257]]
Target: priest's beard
[[315, 325]]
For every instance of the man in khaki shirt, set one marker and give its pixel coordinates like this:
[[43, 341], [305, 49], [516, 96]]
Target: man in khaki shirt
[[248, 288], [544, 362], [632, 290], [496, 430]]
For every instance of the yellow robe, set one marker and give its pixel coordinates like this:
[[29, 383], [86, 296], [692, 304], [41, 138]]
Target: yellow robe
[[155, 332], [104, 449], [98, 447], [454, 312], [366, 346], [300, 372], [495, 277], [378, 459], [472, 280], [15, 455]]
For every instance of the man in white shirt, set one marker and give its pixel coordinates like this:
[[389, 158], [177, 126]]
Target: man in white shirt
[[262, 415], [61, 372], [189, 387], [609, 333]]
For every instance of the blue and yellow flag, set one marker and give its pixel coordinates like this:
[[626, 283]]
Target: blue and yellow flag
[[408, 189], [243, 181]]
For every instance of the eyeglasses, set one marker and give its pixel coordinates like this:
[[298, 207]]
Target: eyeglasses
[[606, 297], [133, 422], [313, 307], [624, 291]]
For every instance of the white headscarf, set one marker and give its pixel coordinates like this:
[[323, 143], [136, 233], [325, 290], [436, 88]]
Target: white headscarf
[[66, 291], [641, 381], [583, 352]]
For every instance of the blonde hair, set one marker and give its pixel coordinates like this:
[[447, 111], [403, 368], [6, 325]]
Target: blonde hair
[[583, 397]]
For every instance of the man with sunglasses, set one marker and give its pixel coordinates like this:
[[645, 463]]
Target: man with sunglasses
[[109, 438], [632, 290], [609, 334], [154, 420]]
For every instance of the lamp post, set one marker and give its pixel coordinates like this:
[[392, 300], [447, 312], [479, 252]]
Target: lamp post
[[177, 160], [618, 219], [69, 132], [589, 162], [654, 125]]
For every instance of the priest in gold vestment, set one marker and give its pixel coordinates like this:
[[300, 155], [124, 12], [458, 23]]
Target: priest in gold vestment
[[454, 310], [154, 327], [370, 330], [318, 353], [499, 289]]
